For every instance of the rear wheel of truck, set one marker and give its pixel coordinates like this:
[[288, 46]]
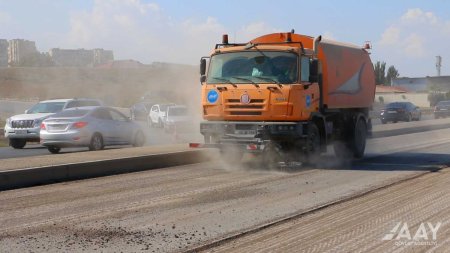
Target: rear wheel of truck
[[354, 143], [17, 143]]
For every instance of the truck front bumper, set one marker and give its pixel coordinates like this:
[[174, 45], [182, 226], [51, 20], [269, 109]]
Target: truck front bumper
[[251, 135]]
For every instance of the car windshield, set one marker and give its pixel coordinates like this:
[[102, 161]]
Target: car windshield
[[444, 103], [395, 105], [163, 108], [71, 113], [253, 67], [177, 111], [46, 107]]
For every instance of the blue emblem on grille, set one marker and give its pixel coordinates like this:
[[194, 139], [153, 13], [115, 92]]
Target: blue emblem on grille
[[212, 96]]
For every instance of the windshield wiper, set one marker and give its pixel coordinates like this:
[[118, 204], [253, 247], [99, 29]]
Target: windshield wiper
[[270, 79], [225, 80], [246, 79]]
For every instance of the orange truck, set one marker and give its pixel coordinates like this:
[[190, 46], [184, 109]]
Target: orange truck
[[286, 96]]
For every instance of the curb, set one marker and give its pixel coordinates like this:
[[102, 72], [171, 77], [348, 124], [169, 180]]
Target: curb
[[27, 177]]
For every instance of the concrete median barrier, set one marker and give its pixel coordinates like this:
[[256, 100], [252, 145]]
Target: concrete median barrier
[[24, 177]]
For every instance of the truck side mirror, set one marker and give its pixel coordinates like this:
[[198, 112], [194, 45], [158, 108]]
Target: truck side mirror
[[202, 66], [314, 71]]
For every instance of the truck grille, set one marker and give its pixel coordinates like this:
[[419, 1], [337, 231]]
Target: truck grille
[[254, 108], [22, 123]]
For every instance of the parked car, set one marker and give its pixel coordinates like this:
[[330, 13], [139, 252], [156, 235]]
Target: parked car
[[140, 110], [93, 127], [23, 128], [442, 109], [157, 115], [176, 118], [400, 111]]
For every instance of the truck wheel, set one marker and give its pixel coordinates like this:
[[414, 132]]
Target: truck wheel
[[53, 149], [358, 142], [313, 143], [354, 142], [17, 143]]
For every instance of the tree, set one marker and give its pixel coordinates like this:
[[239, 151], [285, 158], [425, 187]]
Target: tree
[[392, 73], [381, 77], [380, 69]]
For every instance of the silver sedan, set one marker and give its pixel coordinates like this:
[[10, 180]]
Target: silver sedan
[[93, 127]]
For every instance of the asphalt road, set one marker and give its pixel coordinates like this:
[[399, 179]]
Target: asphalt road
[[186, 207]]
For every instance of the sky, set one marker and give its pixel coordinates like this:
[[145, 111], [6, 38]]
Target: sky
[[406, 34]]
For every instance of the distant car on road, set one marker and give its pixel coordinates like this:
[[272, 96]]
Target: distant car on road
[[400, 111], [93, 127], [176, 118], [140, 110], [157, 115], [23, 128], [442, 109]]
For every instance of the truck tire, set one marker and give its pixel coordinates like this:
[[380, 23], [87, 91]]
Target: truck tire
[[17, 143], [358, 144], [354, 143], [312, 149]]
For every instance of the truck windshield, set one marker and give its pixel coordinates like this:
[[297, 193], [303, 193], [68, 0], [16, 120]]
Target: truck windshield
[[253, 67]]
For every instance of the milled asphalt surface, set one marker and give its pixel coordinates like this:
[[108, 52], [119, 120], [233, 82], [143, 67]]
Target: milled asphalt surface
[[180, 208]]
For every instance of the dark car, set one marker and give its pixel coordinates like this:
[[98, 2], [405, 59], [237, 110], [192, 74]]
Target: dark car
[[442, 109], [140, 110], [400, 111]]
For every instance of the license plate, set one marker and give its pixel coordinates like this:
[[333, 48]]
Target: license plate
[[20, 131], [392, 111], [245, 132]]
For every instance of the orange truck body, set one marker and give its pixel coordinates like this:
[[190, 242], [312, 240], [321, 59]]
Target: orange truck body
[[341, 92]]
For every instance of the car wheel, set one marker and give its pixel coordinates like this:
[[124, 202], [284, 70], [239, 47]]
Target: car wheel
[[17, 143], [383, 121], [54, 150], [409, 118], [139, 139], [96, 142]]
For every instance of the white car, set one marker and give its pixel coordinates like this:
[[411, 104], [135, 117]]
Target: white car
[[177, 119], [157, 115], [23, 128]]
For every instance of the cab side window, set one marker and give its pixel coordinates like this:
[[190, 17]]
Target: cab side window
[[305, 69]]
